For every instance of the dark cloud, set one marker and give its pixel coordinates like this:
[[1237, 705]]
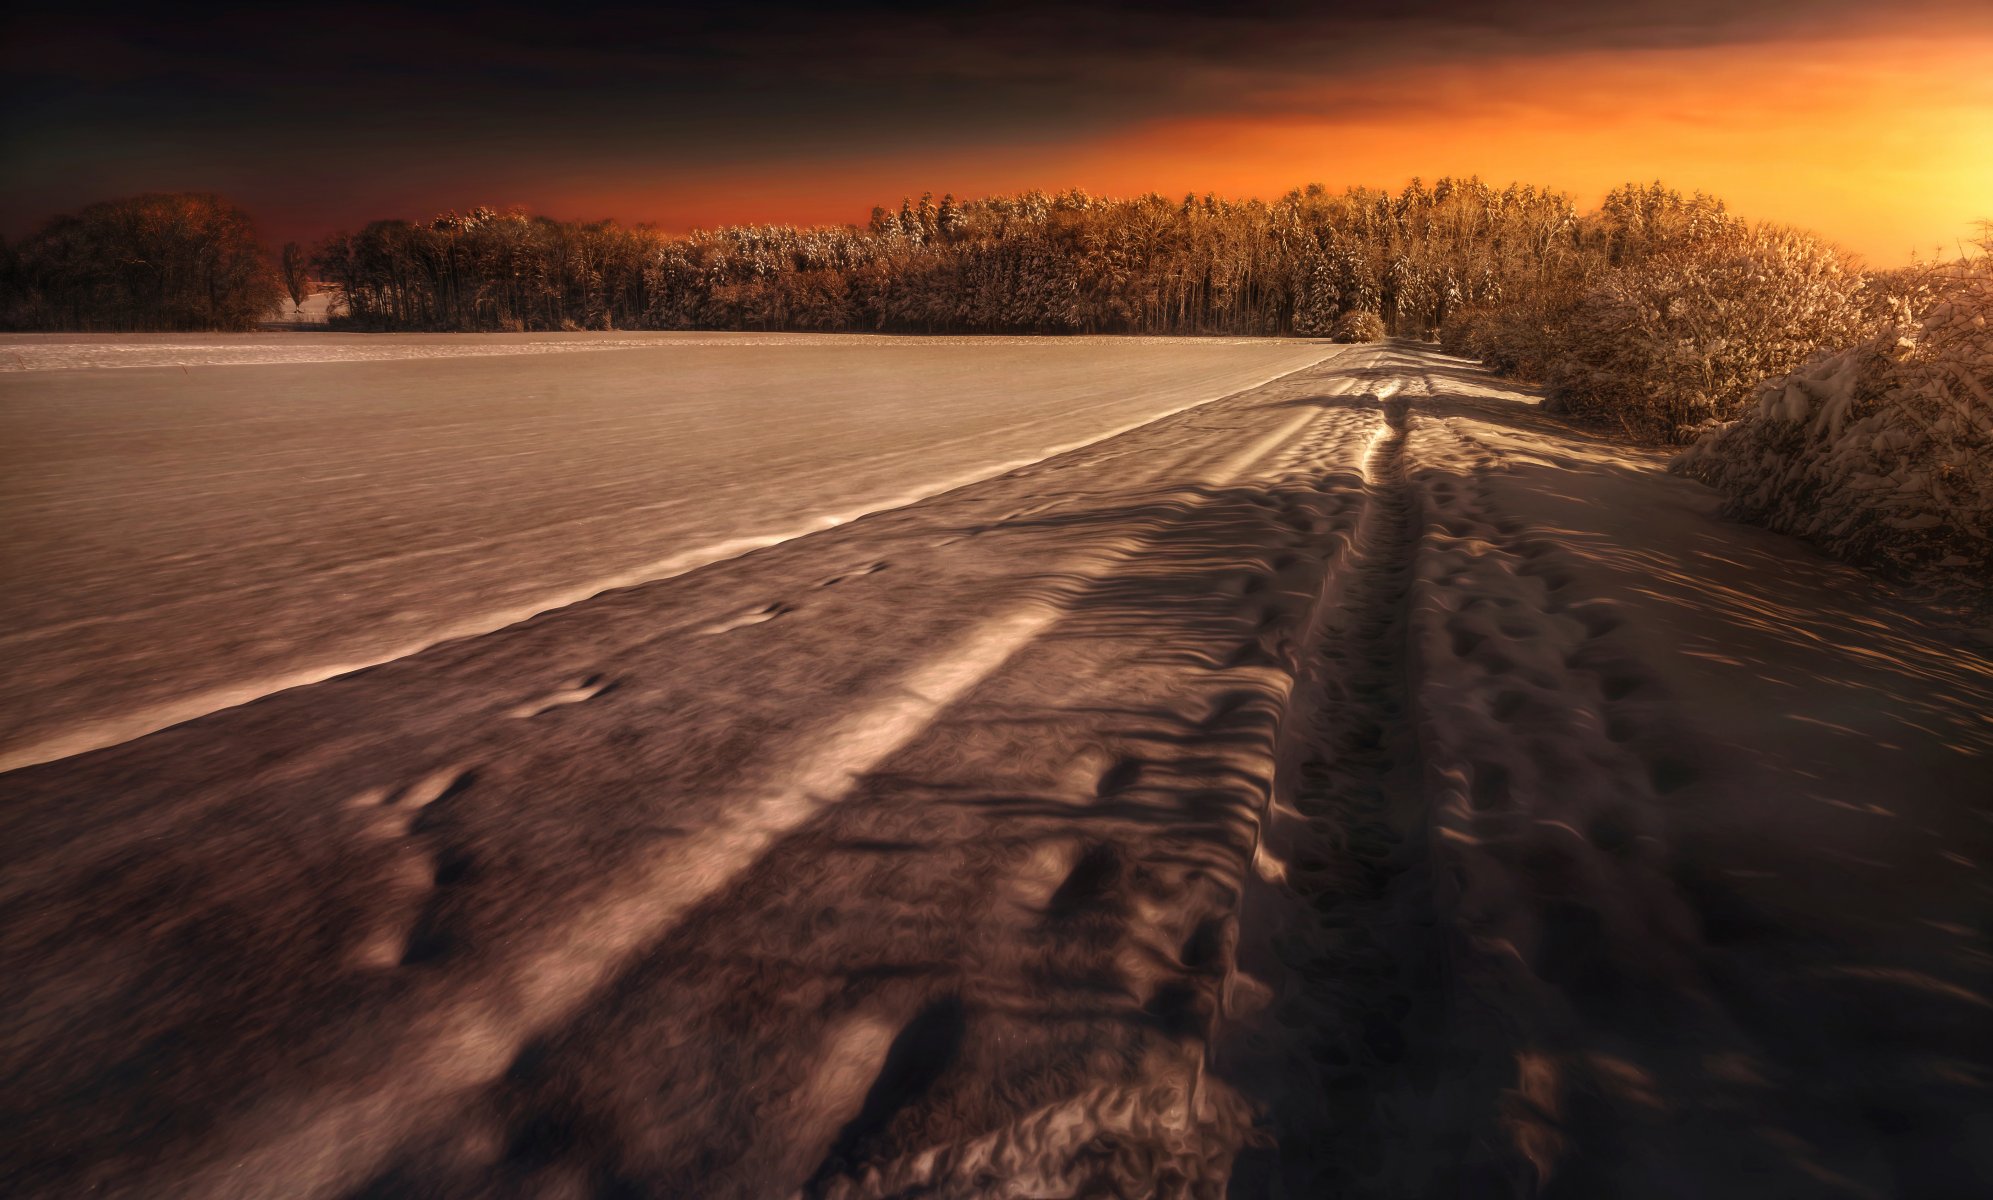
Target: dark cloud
[[117, 97]]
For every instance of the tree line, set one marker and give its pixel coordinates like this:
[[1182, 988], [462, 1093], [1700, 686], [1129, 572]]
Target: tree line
[[1032, 263], [1657, 311]]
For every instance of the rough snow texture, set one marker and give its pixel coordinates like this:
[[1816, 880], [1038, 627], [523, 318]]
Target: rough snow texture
[[1359, 786], [1688, 846], [643, 899], [1882, 452]]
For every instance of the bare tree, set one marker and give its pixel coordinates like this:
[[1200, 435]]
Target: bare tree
[[294, 267]]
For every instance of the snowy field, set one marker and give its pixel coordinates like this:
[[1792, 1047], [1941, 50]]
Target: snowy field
[[1361, 785], [196, 520]]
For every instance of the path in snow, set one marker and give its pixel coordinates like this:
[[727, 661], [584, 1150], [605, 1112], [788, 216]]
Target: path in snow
[[1359, 785]]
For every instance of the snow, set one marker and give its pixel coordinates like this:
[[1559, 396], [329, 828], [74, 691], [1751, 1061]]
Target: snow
[[1888, 438], [1684, 774], [186, 536], [110, 351], [1293, 790]]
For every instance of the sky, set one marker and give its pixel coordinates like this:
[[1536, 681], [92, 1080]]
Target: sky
[[1870, 124]]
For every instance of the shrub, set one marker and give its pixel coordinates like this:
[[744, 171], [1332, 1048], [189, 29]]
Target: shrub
[[1521, 338], [1358, 325], [1682, 338], [1884, 451]]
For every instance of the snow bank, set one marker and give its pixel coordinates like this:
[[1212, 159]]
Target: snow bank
[[1882, 452]]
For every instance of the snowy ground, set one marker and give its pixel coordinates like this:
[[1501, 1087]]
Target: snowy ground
[[226, 516], [1361, 785]]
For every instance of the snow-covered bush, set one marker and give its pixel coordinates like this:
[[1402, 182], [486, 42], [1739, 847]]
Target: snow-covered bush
[[1884, 451], [1358, 325], [1676, 340], [1520, 338]]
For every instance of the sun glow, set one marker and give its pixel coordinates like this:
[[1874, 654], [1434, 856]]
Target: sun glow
[[1883, 145]]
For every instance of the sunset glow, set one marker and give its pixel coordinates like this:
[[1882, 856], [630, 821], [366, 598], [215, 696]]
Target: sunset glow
[[1802, 113], [1885, 146]]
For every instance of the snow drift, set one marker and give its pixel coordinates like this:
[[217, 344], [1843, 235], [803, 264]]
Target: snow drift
[[1882, 452]]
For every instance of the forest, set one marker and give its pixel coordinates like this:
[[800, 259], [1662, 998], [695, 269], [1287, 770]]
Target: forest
[[1032, 263], [1515, 274]]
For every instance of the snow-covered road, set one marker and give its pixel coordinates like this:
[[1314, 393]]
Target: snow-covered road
[[1359, 785]]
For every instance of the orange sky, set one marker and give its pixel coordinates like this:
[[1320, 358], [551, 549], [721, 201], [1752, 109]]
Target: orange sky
[[1884, 145], [1871, 126]]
